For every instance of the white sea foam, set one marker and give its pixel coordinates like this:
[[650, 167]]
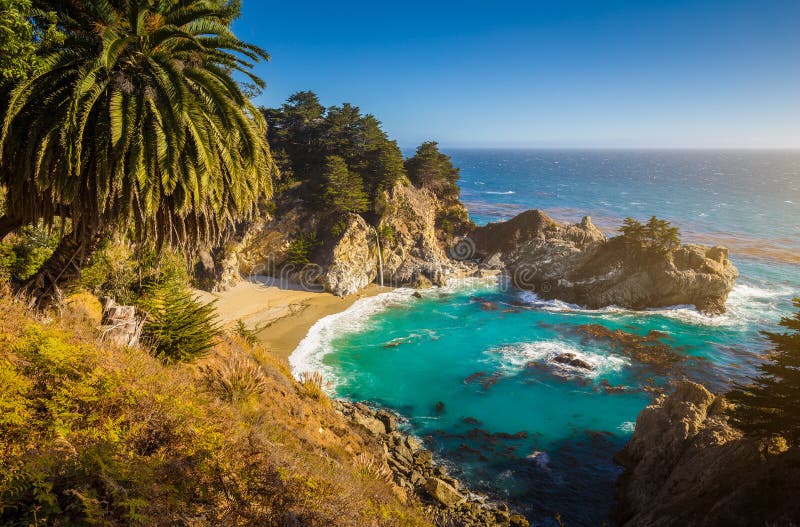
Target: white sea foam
[[498, 193], [627, 426], [309, 354], [515, 357], [746, 303]]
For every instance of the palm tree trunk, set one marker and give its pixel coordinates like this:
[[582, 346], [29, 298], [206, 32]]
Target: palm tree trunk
[[63, 267], [8, 225]]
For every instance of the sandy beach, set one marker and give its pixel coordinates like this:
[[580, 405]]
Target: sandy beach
[[279, 313]]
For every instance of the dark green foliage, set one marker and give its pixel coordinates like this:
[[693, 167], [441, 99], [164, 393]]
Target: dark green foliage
[[453, 220], [434, 170], [24, 252], [122, 271], [178, 328], [134, 122], [16, 39], [770, 405], [300, 249], [344, 190], [656, 235], [304, 134]]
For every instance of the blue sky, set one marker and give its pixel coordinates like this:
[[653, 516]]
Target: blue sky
[[560, 73]]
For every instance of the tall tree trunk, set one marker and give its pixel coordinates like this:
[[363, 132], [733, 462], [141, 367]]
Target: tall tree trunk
[[8, 225], [63, 267]]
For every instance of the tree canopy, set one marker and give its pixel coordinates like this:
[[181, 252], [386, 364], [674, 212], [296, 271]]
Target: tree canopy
[[303, 134], [769, 405], [432, 169], [656, 235], [344, 190], [135, 121]]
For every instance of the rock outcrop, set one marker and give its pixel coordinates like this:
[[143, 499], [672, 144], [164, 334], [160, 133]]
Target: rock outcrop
[[578, 264], [351, 262], [413, 254], [120, 324], [414, 471], [344, 254], [686, 466]]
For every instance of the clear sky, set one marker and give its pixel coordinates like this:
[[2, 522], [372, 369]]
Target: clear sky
[[556, 73]]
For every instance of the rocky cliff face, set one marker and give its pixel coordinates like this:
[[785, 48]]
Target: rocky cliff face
[[686, 466], [413, 252], [578, 264], [344, 256]]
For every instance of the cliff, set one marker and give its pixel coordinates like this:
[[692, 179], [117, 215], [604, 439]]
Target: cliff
[[686, 466], [578, 264], [343, 253]]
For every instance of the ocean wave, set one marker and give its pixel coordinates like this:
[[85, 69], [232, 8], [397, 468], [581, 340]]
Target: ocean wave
[[515, 357], [499, 193], [309, 354], [746, 303]]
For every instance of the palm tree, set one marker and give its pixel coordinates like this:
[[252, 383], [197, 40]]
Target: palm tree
[[134, 122]]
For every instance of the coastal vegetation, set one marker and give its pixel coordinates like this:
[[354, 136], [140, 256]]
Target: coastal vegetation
[[769, 406], [657, 235], [134, 123], [94, 434]]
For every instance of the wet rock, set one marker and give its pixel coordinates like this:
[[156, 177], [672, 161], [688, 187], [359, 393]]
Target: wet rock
[[518, 520], [570, 359]]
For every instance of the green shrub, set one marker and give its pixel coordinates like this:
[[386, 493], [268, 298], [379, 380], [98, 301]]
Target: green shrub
[[27, 250], [301, 248], [178, 328], [387, 235], [121, 271]]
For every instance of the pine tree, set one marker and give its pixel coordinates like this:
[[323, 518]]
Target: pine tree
[[770, 405], [344, 190], [633, 232], [434, 170]]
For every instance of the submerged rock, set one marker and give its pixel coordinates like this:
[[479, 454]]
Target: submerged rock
[[578, 264]]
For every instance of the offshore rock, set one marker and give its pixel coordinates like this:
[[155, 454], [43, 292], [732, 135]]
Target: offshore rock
[[578, 264]]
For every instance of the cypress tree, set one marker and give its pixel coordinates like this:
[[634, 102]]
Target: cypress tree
[[769, 405]]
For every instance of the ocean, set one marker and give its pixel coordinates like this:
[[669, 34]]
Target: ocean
[[481, 387]]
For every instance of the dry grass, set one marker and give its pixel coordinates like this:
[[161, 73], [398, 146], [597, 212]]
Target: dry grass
[[96, 434], [312, 383]]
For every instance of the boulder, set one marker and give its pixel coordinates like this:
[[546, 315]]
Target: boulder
[[120, 325], [351, 264], [570, 359], [443, 492]]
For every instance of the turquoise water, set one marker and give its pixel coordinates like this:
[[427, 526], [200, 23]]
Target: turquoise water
[[477, 368]]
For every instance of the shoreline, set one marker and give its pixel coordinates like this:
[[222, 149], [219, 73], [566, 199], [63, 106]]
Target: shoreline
[[280, 314]]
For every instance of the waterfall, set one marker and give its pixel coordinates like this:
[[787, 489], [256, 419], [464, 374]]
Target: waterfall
[[380, 256]]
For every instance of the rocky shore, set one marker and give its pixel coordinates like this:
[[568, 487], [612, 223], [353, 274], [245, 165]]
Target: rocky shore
[[686, 466], [412, 468]]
